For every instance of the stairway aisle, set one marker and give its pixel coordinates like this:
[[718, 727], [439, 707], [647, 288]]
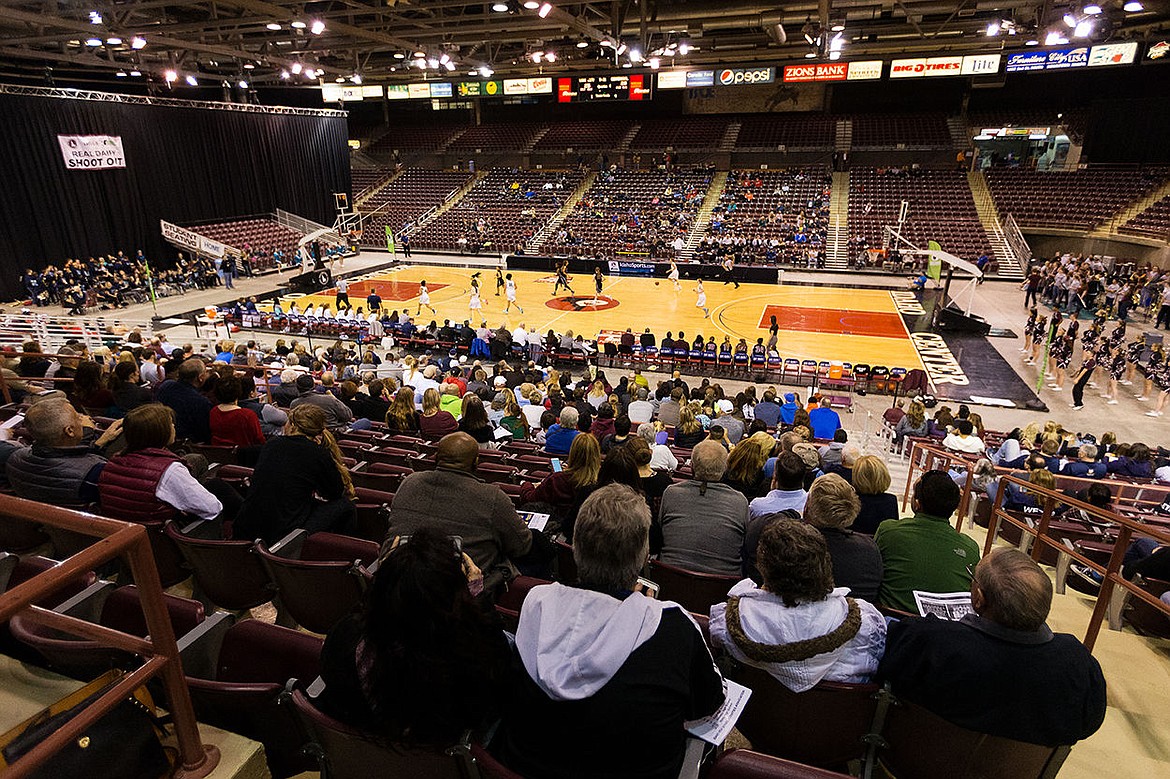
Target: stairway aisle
[[837, 250], [703, 218], [537, 241], [1010, 265]]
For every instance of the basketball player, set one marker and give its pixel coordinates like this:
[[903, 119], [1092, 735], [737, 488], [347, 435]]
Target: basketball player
[[702, 299], [510, 294], [499, 281], [673, 276], [562, 277], [424, 298], [728, 268], [474, 305], [598, 281]]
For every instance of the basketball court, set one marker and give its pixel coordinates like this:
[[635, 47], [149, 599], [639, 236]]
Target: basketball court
[[819, 323]]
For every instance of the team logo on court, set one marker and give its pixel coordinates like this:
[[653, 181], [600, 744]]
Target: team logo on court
[[582, 303]]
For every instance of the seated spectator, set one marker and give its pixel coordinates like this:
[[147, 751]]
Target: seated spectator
[[337, 414], [286, 392], [830, 454], [147, 482], [449, 399], [799, 627], [1136, 465], [850, 454], [434, 422], [89, 392], [962, 439], [599, 658], [58, 468], [1011, 450], [661, 458], [857, 564], [670, 409], [690, 430], [602, 426], [641, 410], [232, 425], [703, 522], [566, 490], [559, 438], [1086, 466], [732, 427], [299, 481], [453, 500], [421, 663], [789, 409], [474, 420], [787, 487], [871, 479], [1024, 499], [620, 435], [825, 421], [914, 423], [925, 552], [745, 466], [768, 410], [371, 404], [192, 410], [653, 482], [1000, 671], [127, 387], [272, 417], [402, 418]]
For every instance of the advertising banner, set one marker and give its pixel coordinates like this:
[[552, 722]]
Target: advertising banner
[[980, 64], [515, 86], [1062, 59], [440, 89], [540, 86], [731, 77], [700, 78], [92, 152], [672, 79], [926, 66], [179, 236], [1113, 54], [820, 71], [865, 70], [420, 90], [397, 91]]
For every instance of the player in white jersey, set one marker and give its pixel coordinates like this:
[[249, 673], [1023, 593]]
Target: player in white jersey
[[673, 276], [510, 294], [424, 298], [474, 305], [702, 300]]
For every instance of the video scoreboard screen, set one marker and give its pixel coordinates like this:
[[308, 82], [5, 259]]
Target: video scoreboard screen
[[587, 89]]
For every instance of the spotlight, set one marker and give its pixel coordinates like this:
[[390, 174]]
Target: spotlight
[[992, 29], [1083, 29], [121, 74], [1132, 7], [421, 63], [450, 66], [95, 42], [356, 78], [318, 27], [136, 73], [95, 17], [1054, 38], [635, 55], [551, 56], [500, 8], [284, 74], [486, 72], [192, 81], [433, 63], [298, 25], [834, 55], [532, 5], [621, 49], [399, 55], [654, 63], [582, 44], [296, 68], [171, 76], [114, 41], [812, 55], [138, 42], [1092, 9], [1032, 42], [545, 10], [837, 43], [273, 26], [243, 84], [420, 54], [684, 48], [249, 66], [537, 56], [837, 25], [340, 79], [1070, 21]]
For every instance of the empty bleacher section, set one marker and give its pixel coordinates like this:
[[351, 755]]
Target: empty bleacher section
[[770, 217], [941, 209], [364, 179], [1073, 200], [897, 131], [504, 209], [1075, 121], [414, 192], [767, 132], [581, 136], [1155, 220], [258, 238], [688, 132], [510, 136], [414, 140], [640, 213]]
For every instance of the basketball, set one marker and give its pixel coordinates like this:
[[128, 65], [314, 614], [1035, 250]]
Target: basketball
[[657, 283]]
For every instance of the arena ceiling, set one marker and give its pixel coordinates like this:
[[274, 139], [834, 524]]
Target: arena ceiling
[[265, 42]]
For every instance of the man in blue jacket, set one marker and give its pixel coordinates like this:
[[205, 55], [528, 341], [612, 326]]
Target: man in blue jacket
[[788, 410], [559, 438]]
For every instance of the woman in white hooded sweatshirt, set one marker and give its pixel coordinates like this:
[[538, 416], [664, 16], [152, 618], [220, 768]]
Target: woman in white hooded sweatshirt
[[798, 627], [609, 675]]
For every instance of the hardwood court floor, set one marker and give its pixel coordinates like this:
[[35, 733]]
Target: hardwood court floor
[[821, 323]]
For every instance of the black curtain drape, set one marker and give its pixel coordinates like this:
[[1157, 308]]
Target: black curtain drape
[[182, 164]]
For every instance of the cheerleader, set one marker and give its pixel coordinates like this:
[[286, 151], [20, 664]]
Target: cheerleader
[[1029, 329], [1162, 379], [1115, 366], [1039, 334], [1062, 351], [1091, 337], [1151, 369], [1133, 354], [1117, 337]]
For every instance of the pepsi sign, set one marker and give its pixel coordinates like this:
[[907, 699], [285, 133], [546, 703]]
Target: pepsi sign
[[732, 77]]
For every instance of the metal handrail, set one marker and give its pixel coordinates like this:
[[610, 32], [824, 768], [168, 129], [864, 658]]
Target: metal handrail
[[116, 539]]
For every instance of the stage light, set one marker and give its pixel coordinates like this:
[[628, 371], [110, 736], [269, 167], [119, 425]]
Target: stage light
[[121, 74], [318, 27], [1054, 38], [1132, 7], [992, 29], [399, 55], [582, 44], [420, 54], [837, 26], [684, 48], [486, 72], [284, 74], [171, 76], [635, 55], [95, 42], [192, 81], [450, 66], [356, 78], [249, 66], [621, 49], [1092, 9], [1083, 29], [500, 8], [421, 63], [834, 55], [1070, 21], [627, 65], [136, 73], [273, 26], [296, 68], [837, 43], [545, 10], [114, 41], [138, 43], [1032, 42], [812, 55], [298, 25], [95, 17], [340, 79], [537, 56], [243, 84], [433, 63], [655, 63], [532, 5], [551, 56]]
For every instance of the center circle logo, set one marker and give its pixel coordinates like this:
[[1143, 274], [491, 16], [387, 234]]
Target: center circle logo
[[582, 303]]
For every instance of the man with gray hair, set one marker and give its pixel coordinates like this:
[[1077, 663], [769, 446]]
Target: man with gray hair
[[1001, 670], [703, 521], [338, 416], [429, 380], [559, 438], [641, 410], [58, 468], [182, 395], [1086, 465], [599, 656]]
